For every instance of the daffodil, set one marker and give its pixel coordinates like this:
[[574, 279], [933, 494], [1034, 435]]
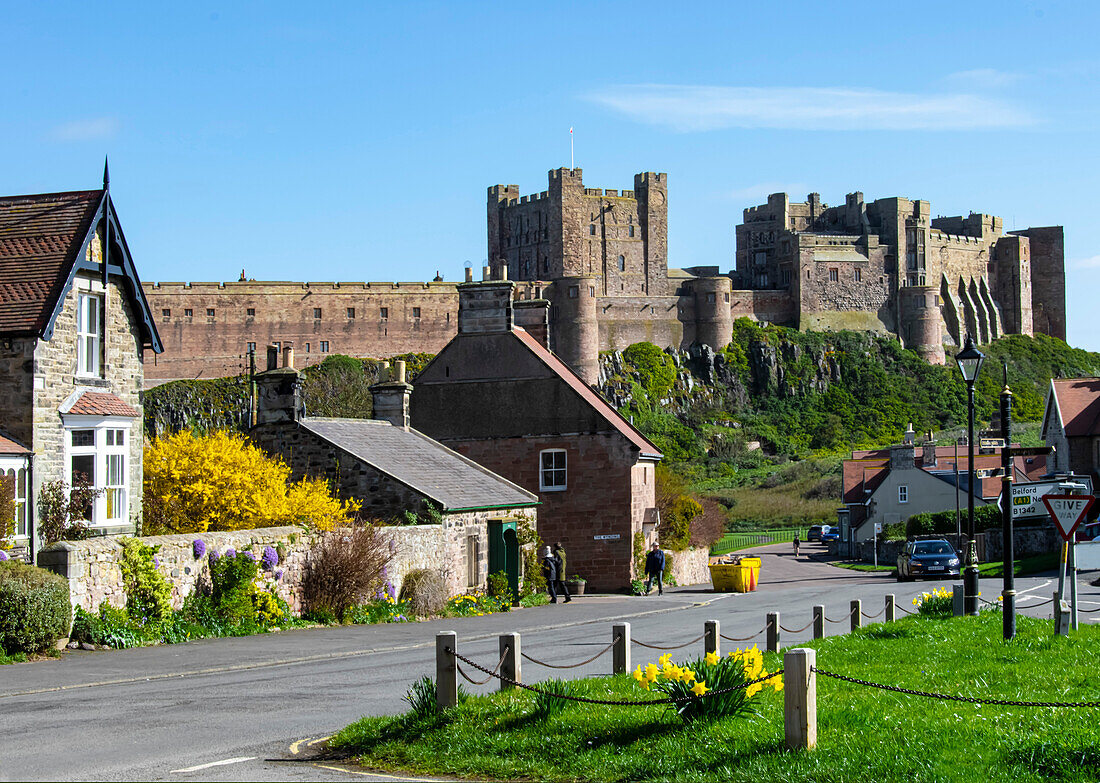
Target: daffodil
[[638, 673], [699, 688], [665, 660], [651, 671], [712, 658]]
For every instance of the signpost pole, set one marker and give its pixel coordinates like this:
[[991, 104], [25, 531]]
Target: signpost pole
[[1073, 583], [1008, 593], [1068, 511]]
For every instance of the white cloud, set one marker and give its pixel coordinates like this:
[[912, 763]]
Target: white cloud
[[91, 129], [687, 108], [983, 78], [1092, 262], [762, 190]]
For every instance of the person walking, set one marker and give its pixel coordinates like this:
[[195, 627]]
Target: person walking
[[550, 573], [655, 569], [796, 544], [559, 559]]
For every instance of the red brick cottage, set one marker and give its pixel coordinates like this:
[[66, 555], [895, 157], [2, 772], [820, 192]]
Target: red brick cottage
[[498, 395]]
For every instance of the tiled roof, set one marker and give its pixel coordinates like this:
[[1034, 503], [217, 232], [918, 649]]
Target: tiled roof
[[587, 393], [39, 238], [1078, 401], [91, 403], [9, 446], [417, 461]]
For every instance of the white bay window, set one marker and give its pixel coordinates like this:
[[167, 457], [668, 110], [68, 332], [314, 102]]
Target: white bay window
[[97, 451]]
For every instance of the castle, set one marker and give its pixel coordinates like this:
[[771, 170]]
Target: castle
[[601, 259]]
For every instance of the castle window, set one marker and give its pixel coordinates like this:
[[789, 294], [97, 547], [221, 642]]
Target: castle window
[[785, 276], [416, 312], [859, 275], [210, 312], [324, 346], [251, 312], [351, 312], [760, 258], [166, 312], [592, 230], [630, 231], [384, 313], [252, 347], [552, 470], [711, 299], [574, 292], [622, 263], [89, 335], [834, 275], [307, 347], [188, 312], [316, 312], [727, 300]]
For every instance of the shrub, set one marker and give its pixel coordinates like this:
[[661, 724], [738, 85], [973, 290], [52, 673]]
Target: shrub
[[533, 580], [232, 587], [654, 367], [148, 593], [676, 532], [34, 608], [345, 567], [423, 590], [499, 587], [63, 511]]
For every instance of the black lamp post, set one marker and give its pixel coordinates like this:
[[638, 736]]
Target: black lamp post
[[970, 361]]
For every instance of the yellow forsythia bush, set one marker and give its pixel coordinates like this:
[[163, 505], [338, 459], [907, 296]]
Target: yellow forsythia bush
[[221, 482]]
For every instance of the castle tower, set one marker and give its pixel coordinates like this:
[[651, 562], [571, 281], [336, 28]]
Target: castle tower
[[651, 192], [920, 322], [574, 328], [713, 319]]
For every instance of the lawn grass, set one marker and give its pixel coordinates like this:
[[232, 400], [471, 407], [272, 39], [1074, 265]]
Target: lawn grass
[[854, 566], [863, 733], [1025, 566]]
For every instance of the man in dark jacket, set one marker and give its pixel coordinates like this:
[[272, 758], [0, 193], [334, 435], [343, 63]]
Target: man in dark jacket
[[550, 572], [655, 569], [559, 561]]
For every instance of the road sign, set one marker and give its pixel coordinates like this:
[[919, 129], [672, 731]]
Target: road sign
[[1030, 451], [1068, 511], [1026, 496]]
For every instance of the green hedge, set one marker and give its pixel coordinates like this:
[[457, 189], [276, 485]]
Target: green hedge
[[941, 522], [34, 608]]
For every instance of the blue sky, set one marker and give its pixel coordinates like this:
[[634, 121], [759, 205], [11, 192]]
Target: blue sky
[[355, 141]]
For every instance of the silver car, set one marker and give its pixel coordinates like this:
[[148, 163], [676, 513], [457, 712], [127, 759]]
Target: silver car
[[932, 558]]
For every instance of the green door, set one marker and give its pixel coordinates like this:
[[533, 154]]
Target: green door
[[504, 551]]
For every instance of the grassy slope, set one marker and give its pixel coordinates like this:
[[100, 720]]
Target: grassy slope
[[864, 733]]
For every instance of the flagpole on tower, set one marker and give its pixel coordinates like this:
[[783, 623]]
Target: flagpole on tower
[[571, 167]]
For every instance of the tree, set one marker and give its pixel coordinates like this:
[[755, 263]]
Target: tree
[[221, 482]]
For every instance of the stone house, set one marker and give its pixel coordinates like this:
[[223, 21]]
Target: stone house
[[74, 324], [393, 469], [1071, 424], [498, 395]]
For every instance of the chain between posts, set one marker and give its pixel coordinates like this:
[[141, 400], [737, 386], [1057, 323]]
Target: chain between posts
[[949, 697], [673, 647], [745, 638], [796, 630], [873, 616], [537, 662], [842, 619], [492, 674], [609, 702]]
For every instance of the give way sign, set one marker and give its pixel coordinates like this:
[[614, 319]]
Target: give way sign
[[1068, 511]]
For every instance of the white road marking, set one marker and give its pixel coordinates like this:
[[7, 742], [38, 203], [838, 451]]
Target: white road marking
[[381, 775], [221, 763]]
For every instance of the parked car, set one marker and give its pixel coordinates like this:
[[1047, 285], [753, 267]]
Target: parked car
[[1089, 532], [928, 558], [830, 534], [815, 531]]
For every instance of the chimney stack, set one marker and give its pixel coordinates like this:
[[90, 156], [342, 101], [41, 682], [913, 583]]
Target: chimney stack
[[485, 308], [278, 394], [391, 397], [928, 454]]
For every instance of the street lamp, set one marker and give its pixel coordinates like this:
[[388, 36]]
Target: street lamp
[[970, 361]]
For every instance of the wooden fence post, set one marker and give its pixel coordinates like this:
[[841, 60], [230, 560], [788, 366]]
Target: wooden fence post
[[819, 622], [712, 642], [800, 698], [773, 631], [958, 600], [620, 653], [510, 651], [446, 670], [857, 614], [891, 607]]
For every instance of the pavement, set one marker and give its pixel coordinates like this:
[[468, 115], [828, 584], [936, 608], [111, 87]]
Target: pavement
[[259, 707]]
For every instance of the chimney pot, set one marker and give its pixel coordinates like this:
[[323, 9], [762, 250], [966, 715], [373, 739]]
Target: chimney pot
[[384, 372], [272, 357], [469, 274], [288, 356], [486, 273], [399, 371], [503, 272]]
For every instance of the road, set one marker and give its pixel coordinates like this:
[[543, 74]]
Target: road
[[255, 707]]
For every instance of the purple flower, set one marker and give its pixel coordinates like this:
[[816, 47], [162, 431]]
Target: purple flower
[[3, 556], [278, 575], [249, 555], [198, 547], [231, 552], [156, 561], [214, 555], [270, 558]]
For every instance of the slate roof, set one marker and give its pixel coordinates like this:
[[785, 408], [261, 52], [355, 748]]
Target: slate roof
[[1078, 401], [39, 239], [93, 403], [587, 393], [427, 466]]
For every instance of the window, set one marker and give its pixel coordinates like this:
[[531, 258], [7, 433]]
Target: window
[[630, 231], [592, 230], [622, 263], [99, 453], [316, 312], [18, 478], [324, 346], [859, 275], [903, 493], [210, 312], [574, 292], [416, 312], [88, 335], [834, 275], [711, 298], [188, 312], [307, 347], [166, 312], [552, 470], [251, 312], [351, 312], [252, 347], [473, 561], [385, 312]]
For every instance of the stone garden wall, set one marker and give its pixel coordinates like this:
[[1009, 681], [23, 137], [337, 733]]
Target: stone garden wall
[[689, 567]]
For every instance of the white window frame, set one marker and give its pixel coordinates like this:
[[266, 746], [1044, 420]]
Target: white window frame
[[89, 334], [104, 428], [18, 469], [549, 478], [903, 493]]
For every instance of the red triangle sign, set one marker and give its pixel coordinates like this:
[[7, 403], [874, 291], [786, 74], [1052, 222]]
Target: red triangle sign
[[1068, 511]]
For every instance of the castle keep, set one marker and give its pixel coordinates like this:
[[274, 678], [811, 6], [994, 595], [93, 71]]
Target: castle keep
[[600, 257]]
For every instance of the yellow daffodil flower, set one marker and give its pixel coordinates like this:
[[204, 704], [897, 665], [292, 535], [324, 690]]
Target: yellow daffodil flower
[[665, 660], [638, 673], [699, 688], [651, 672], [712, 658]]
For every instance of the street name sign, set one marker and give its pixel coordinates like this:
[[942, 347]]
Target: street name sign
[[606, 537], [1068, 511], [1027, 495]]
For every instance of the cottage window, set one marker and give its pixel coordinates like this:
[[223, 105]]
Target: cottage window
[[89, 335], [473, 559], [18, 479], [98, 452], [903, 493], [552, 470]]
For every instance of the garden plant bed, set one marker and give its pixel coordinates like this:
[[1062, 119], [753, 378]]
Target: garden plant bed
[[863, 733]]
